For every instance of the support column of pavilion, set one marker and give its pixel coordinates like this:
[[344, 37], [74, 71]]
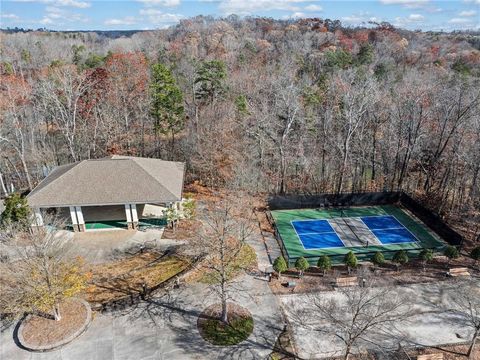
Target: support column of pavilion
[[37, 217], [132, 216], [78, 222]]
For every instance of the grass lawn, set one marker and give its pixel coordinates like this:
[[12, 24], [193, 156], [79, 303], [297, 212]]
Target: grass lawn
[[218, 333], [239, 326], [124, 277]]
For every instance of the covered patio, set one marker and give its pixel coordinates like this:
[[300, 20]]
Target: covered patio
[[117, 192]]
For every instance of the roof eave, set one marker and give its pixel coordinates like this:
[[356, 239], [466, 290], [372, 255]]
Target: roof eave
[[106, 204]]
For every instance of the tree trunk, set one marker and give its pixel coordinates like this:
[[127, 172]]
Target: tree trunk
[[27, 175], [173, 146], [372, 158], [348, 350], [56, 312], [3, 185], [472, 344], [283, 171], [224, 317]]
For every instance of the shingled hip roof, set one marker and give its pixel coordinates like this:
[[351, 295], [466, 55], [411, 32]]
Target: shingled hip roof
[[110, 181]]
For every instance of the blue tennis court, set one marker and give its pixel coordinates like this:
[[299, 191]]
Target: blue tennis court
[[312, 226], [320, 234], [316, 234], [388, 230]]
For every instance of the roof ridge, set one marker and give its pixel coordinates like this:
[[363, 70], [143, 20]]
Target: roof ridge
[[154, 179], [75, 164]]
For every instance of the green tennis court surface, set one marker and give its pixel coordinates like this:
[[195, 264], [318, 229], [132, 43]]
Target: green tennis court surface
[[364, 230]]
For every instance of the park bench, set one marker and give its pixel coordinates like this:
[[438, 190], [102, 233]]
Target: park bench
[[346, 281], [454, 272], [438, 356]]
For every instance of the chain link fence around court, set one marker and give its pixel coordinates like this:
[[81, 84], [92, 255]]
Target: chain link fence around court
[[287, 202], [327, 200]]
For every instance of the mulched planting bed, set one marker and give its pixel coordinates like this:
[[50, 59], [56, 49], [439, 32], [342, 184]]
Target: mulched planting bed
[[454, 352], [186, 229], [125, 277], [387, 274], [39, 331], [213, 330]]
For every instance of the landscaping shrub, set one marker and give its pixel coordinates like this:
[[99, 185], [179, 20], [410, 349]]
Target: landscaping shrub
[[324, 263], [301, 265], [400, 258], [378, 259], [475, 254], [189, 207], [280, 265], [16, 209], [426, 255], [351, 261], [451, 252]]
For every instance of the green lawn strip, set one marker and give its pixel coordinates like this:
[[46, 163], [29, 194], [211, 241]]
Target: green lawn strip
[[218, 333]]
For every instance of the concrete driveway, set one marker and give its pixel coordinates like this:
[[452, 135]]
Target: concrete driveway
[[435, 322], [102, 245], [165, 328]]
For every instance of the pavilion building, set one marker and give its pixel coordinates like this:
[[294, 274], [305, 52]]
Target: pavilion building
[[116, 191]]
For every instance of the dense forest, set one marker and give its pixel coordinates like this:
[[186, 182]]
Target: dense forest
[[263, 105]]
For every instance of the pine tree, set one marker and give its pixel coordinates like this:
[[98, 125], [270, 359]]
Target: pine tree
[[351, 261], [400, 258], [16, 209], [280, 265], [324, 263], [167, 103], [426, 255], [378, 259], [301, 265]]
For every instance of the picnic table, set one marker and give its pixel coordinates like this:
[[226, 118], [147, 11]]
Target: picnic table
[[437, 356], [346, 281], [454, 272]]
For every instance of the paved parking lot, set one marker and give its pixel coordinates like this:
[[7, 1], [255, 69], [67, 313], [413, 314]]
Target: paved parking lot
[[435, 322]]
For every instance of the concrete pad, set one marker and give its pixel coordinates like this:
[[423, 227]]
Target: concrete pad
[[435, 322], [165, 328]]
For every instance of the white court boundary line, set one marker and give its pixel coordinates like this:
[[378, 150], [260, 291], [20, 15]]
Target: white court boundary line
[[330, 232], [417, 241]]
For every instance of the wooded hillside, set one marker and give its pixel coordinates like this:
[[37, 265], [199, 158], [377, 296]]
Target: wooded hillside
[[259, 104]]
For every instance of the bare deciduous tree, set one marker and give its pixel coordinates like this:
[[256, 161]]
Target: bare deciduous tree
[[41, 275], [466, 299], [227, 227], [355, 316]]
